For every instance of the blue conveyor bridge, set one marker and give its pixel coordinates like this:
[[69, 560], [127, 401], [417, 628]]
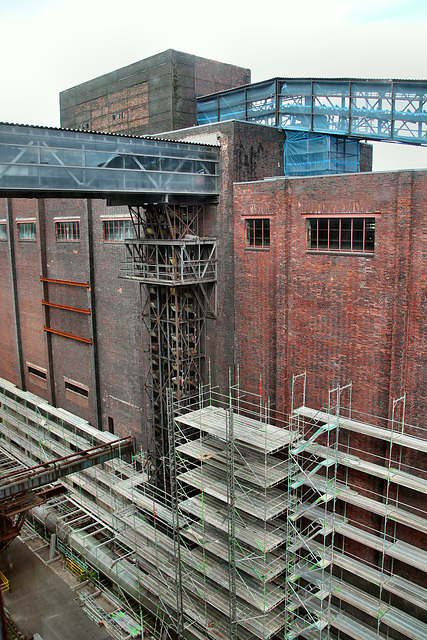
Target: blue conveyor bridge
[[394, 110]]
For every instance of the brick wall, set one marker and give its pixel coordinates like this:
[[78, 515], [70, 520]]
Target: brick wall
[[114, 325], [247, 152], [340, 317]]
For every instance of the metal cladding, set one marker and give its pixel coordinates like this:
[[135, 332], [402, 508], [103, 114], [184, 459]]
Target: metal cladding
[[51, 162]]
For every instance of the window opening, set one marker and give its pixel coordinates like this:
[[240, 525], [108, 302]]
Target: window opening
[[27, 231], [3, 231], [110, 424], [82, 391], [117, 230], [67, 230], [258, 232], [341, 234], [36, 371]]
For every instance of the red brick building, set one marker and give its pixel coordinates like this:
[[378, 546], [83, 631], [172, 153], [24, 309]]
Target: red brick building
[[354, 312], [350, 310], [322, 274]]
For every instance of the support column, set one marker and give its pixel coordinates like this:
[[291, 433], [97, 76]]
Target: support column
[[92, 320], [10, 228]]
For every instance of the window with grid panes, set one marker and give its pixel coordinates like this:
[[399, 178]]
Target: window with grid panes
[[117, 230], [27, 231], [341, 234], [258, 233], [67, 230]]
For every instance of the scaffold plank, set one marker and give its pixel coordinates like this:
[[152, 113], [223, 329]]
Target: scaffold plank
[[385, 510], [263, 566], [257, 534], [391, 474], [392, 616], [402, 439], [399, 550], [263, 470], [401, 587], [250, 499], [265, 437]]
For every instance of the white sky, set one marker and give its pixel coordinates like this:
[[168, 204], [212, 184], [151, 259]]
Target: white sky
[[50, 45]]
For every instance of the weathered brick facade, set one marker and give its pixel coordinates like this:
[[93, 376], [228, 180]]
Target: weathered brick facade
[[341, 317], [282, 309], [111, 368]]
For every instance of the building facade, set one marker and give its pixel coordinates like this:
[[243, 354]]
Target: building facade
[[323, 277], [152, 95]]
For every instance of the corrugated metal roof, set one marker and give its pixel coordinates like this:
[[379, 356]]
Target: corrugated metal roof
[[106, 133], [308, 79]]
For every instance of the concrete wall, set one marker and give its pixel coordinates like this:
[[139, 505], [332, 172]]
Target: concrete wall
[[152, 95]]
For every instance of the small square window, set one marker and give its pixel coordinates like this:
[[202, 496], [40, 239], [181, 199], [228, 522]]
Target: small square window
[[258, 233], [27, 231], [3, 231], [67, 230]]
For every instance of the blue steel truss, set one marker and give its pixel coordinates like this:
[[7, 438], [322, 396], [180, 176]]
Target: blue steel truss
[[45, 161], [369, 109]]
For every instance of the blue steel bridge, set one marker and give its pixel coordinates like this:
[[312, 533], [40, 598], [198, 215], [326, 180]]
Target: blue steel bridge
[[394, 110]]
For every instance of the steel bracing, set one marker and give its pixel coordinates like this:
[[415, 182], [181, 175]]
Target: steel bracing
[[176, 264]]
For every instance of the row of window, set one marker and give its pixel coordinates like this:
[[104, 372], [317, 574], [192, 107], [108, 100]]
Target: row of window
[[70, 385], [323, 234], [69, 230]]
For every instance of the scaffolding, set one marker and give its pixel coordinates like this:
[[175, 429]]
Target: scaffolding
[[230, 468], [272, 526]]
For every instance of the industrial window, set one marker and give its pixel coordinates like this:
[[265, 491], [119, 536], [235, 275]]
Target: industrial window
[[27, 231], [76, 388], [258, 233], [3, 231], [67, 230], [37, 371], [341, 234], [117, 230]]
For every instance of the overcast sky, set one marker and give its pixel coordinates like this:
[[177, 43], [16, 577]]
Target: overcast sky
[[50, 45]]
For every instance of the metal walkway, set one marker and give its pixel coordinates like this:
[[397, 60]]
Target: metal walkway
[[368, 109], [47, 162]]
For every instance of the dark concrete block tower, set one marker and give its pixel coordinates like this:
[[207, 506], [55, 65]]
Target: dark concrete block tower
[[149, 96]]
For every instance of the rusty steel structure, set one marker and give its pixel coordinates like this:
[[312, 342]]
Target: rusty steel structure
[[22, 488], [176, 263]]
